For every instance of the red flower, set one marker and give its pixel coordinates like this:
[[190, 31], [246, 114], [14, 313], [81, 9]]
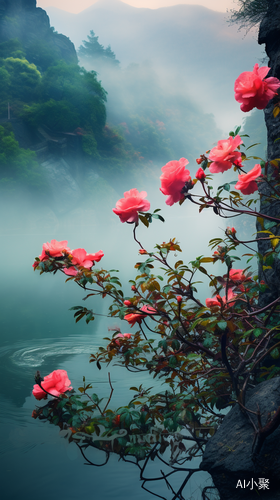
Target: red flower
[[173, 179], [253, 90], [127, 208], [247, 182]]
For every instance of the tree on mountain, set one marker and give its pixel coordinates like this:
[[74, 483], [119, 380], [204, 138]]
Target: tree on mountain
[[250, 12], [93, 50]]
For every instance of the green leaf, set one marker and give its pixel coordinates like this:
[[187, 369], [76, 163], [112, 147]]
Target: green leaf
[[175, 344], [252, 145], [75, 308], [222, 325], [45, 412], [115, 279], [89, 317], [237, 130], [268, 225], [144, 220], [275, 353], [157, 216], [257, 332]]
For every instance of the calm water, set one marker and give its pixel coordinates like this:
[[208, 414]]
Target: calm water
[[38, 332]]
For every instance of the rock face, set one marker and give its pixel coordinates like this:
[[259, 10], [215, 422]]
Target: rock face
[[23, 20], [269, 34], [228, 455]]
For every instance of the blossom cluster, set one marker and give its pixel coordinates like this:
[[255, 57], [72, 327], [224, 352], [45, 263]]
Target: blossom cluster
[[252, 89], [76, 258]]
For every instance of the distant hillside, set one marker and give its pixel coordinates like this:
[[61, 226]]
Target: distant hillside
[[193, 48]]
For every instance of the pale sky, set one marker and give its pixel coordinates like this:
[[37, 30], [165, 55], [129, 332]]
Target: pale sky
[[76, 6]]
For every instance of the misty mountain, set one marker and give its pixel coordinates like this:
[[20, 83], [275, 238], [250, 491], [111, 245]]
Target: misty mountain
[[193, 49]]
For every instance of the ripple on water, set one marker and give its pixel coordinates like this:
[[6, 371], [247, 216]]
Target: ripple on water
[[33, 353]]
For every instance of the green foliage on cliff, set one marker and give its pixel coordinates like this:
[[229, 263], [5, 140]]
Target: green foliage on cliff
[[93, 50], [18, 166]]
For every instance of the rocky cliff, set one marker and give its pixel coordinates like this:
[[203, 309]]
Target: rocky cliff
[[236, 470], [23, 20], [269, 34], [228, 457]]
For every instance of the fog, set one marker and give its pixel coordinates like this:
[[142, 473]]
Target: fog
[[193, 49], [74, 7]]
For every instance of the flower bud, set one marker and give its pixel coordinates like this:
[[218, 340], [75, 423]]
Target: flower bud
[[142, 251], [200, 174], [133, 288], [127, 303], [179, 299], [230, 231]]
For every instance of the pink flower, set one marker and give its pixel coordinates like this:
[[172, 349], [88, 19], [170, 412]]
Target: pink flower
[[133, 318], [148, 309], [55, 383], [137, 317], [200, 174], [253, 90], [95, 257], [81, 258], [122, 336], [215, 302], [55, 249], [127, 208], [223, 155], [247, 183], [173, 179]]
